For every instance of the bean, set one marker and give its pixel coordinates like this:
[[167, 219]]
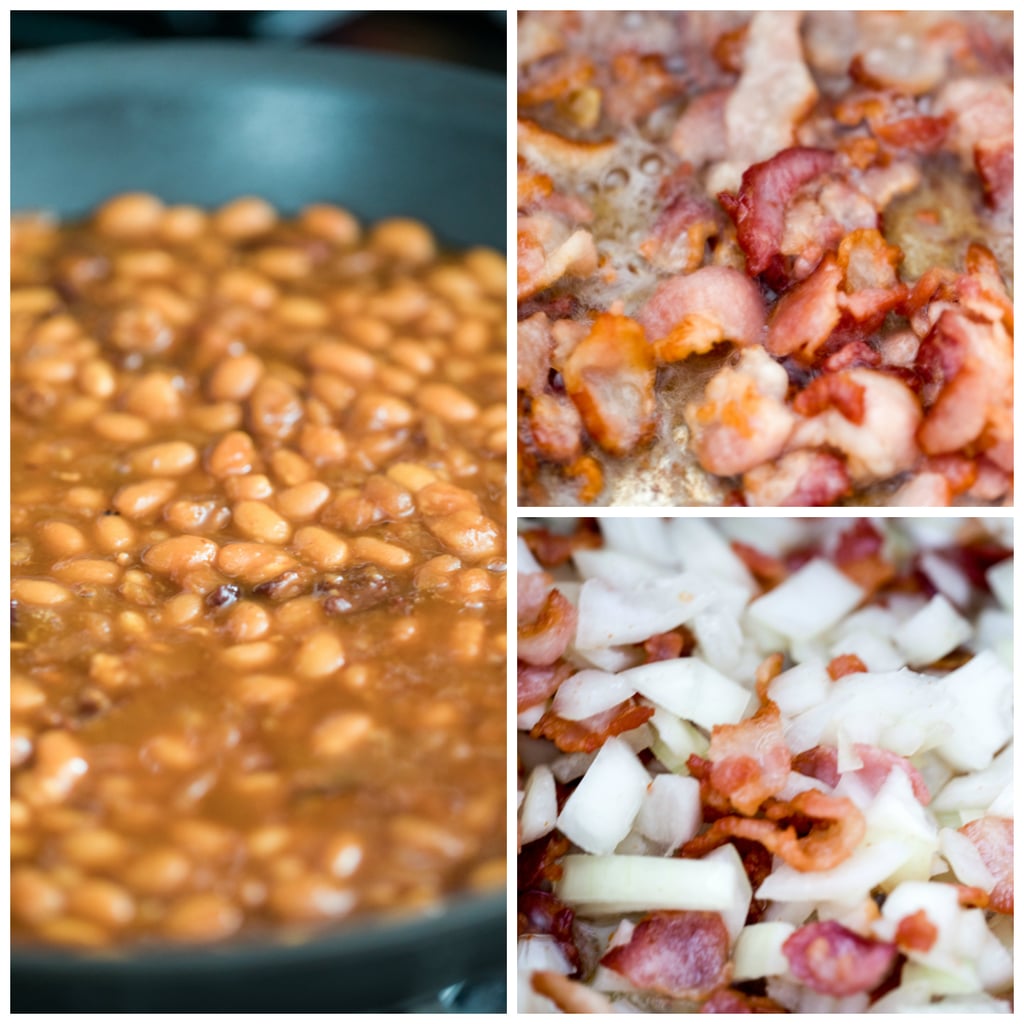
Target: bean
[[142, 501], [320, 655], [35, 898], [235, 377], [321, 548], [342, 733], [95, 849], [233, 455], [182, 224], [447, 403], [283, 263], [343, 855], [170, 751], [202, 917], [259, 522], [104, 903], [302, 313], [70, 931], [346, 360], [129, 216], [322, 445], [96, 378], [121, 427], [62, 539], [176, 554], [274, 408], [182, 609], [389, 556], [87, 571], [302, 502], [257, 655], [44, 593], [113, 534], [378, 411], [406, 241], [244, 218], [169, 458], [159, 872], [155, 398], [330, 223], [310, 898], [265, 690], [247, 621]]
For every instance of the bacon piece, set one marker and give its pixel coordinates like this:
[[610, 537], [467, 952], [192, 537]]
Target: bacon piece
[[541, 913], [768, 570], [916, 932], [547, 250], [536, 683], [610, 377], [742, 418], [774, 93], [759, 208], [836, 828], [588, 734], [993, 160], [666, 646], [832, 391], [805, 315], [640, 84], [556, 428], [766, 672], [731, 1000], [959, 471], [550, 152], [553, 78], [539, 862], [852, 354], [554, 307], [883, 443], [568, 995], [845, 665], [554, 549], [750, 760], [859, 555], [543, 640], [802, 478], [728, 302], [681, 231], [835, 961], [927, 490], [699, 135], [682, 954], [972, 896], [822, 763], [532, 591], [533, 353], [993, 838]]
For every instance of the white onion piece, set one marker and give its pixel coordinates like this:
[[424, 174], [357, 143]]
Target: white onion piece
[[538, 953], [569, 767], [809, 602], [539, 809], [623, 885], [691, 689], [699, 547], [615, 568], [589, 693], [610, 616], [607, 659], [877, 653], [529, 717], [601, 810], [932, 633], [772, 535], [866, 867], [719, 640], [671, 813], [641, 538], [676, 740], [947, 578], [977, 789], [994, 631], [965, 860], [800, 688], [525, 562], [735, 914], [1000, 580], [982, 694], [758, 952]]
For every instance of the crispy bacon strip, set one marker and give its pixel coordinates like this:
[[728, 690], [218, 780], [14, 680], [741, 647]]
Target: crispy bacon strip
[[554, 549], [844, 665], [588, 734], [610, 377], [536, 683], [916, 932], [993, 838], [759, 208], [680, 954], [541, 913], [544, 640], [835, 961], [731, 1000], [750, 760], [666, 646], [837, 826], [539, 862], [798, 479], [832, 391], [806, 314]]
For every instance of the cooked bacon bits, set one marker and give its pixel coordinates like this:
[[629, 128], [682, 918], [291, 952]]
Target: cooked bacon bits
[[796, 183], [916, 932], [844, 665], [681, 954], [993, 838], [822, 763], [536, 683], [588, 734], [731, 1000], [835, 961], [541, 913], [610, 377], [543, 639], [750, 761]]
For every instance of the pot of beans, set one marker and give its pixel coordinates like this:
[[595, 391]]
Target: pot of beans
[[258, 518]]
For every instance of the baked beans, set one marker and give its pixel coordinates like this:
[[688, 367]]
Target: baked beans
[[258, 561]]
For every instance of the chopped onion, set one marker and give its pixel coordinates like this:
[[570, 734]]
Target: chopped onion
[[671, 812], [982, 694], [965, 860], [932, 633], [676, 740], [1000, 578], [589, 693], [758, 952], [539, 808], [809, 602], [947, 578], [691, 689], [623, 885], [600, 812]]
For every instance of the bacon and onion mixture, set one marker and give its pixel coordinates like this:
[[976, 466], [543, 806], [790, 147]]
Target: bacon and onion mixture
[[765, 259], [765, 765]]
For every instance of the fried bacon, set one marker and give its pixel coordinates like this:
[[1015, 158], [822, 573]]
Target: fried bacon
[[610, 377], [916, 932], [844, 665], [666, 646], [731, 1000], [822, 763], [541, 913], [680, 954], [691, 313], [993, 838], [750, 760], [536, 683], [568, 995], [544, 638], [589, 734], [835, 961], [801, 478], [833, 828], [805, 315]]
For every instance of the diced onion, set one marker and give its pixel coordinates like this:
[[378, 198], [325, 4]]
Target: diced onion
[[758, 952], [932, 633], [809, 602], [589, 693], [539, 808]]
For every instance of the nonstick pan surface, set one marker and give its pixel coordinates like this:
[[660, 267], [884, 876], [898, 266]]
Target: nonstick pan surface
[[204, 123]]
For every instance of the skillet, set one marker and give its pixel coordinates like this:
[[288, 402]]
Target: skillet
[[204, 123]]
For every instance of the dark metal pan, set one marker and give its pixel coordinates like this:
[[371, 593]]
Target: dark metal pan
[[202, 124]]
